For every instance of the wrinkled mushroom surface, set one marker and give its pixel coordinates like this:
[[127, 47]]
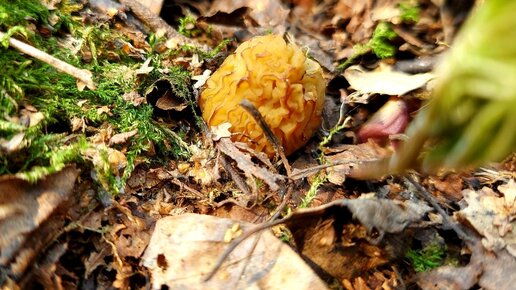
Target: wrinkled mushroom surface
[[279, 79]]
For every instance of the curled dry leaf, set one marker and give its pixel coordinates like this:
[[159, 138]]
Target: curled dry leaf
[[12, 145], [170, 102], [183, 249]]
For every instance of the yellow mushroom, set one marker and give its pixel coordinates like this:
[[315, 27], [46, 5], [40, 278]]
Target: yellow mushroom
[[279, 79]]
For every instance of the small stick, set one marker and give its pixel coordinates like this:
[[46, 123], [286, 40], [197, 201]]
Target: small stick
[[82, 75], [251, 109]]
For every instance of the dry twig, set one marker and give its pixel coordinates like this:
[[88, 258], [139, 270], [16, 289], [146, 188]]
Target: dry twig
[[82, 75]]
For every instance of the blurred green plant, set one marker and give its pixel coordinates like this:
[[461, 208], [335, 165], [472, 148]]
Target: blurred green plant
[[471, 118]]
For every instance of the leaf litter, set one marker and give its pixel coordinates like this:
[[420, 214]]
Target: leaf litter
[[141, 206]]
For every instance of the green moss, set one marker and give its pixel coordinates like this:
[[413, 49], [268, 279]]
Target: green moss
[[50, 145], [187, 26], [312, 192], [430, 257], [19, 12], [410, 11], [380, 42]]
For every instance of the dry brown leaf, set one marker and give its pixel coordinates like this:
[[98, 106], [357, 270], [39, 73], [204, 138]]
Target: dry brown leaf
[[350, 156], [220, 131], [12, 145], [492, 215], [245, 163], [183, 249], [78, 124], [122, 137], [134, 98], [266, 13], [24, 207], [329, 236], [487, 269], [169, 102]]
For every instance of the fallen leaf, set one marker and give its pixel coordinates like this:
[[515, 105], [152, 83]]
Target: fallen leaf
[[24, 207], [134, 98], [78, 124], [220, 131], [487, 269], [267, 13], [169, 102], [384, 81], [145, 68], [12, 145], [183, 249], [245, 163], [200, 80], [492, 216], [350, 156], [329, 236], [122, 137]]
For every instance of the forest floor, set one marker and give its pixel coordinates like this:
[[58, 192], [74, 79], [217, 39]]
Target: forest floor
[[110, 177]]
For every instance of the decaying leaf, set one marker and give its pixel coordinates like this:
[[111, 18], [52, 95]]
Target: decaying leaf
[[134, 97], [487, 269], [183, 249], [328, 237], [267, 13], [24, 208], [122, 137], [13, 144], [385, 81], [492, 215], [245, 163], [220, 131], [350, 156]]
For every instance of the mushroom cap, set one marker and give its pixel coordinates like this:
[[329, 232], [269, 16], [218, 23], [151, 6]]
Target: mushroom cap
[[279, 79]]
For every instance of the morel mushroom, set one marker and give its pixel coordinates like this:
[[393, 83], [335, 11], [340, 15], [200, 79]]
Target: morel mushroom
[[279, 79]]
